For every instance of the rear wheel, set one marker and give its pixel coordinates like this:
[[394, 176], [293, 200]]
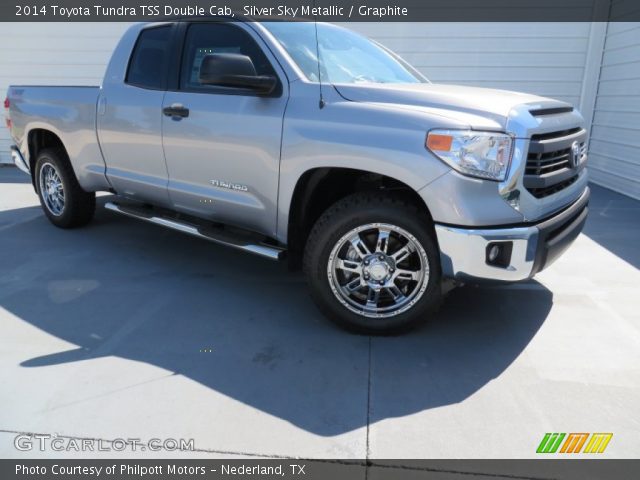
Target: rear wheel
[[373, 265], [64, 202]]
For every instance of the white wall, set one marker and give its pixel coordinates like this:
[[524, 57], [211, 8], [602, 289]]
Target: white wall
[[615, 134], [559, 60], [542, 58], [53, 54]]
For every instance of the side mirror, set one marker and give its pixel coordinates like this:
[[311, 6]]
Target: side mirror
[[234, 70]]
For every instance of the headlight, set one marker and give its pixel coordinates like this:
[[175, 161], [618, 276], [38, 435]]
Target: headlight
[[478, 154]]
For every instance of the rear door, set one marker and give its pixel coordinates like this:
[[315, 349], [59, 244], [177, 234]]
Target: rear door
[[130, 119], [223, 153]]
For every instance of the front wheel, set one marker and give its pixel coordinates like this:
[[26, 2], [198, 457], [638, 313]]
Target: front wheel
[[373, 265]]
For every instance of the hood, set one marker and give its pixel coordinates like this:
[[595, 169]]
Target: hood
[[483, 102]]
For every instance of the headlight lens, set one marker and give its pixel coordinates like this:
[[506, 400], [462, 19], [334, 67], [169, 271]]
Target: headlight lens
[[478, 154]]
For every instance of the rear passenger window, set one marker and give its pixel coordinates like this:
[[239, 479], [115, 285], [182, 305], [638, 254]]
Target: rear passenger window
[[150, 58]]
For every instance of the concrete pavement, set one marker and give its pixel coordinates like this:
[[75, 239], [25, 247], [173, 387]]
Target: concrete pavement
[[125, 330]]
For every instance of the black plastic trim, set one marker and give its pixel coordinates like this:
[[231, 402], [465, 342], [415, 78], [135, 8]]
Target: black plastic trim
[[556, 234], [552, 178], [550, 111]]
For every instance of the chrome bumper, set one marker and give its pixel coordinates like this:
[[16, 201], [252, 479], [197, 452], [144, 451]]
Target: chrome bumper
[[464, 252], [19, 160]]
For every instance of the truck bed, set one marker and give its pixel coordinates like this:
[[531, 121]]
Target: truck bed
[[67, 111]]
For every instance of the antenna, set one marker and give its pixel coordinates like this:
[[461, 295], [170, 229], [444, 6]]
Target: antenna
[[315, 23]]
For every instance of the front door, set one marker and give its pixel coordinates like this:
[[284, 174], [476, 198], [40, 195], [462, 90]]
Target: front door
[[221, 144]]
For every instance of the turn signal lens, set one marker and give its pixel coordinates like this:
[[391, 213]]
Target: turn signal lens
[[439, 142], [7, 119]]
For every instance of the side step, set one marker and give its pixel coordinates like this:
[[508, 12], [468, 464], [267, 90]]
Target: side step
[[242, 241]]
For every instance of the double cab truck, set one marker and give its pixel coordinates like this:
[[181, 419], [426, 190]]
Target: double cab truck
[[313, 143]]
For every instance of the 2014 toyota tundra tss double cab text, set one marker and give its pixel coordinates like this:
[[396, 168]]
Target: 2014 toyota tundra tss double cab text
[[385, 188]]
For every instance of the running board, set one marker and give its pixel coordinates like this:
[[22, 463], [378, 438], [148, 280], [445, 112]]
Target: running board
[[223, 238]]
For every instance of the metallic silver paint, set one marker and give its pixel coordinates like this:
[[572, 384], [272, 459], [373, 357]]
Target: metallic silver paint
[[377, 138], [130, 134], [232, 137], [116, 136], [130, 130], [70, 114]]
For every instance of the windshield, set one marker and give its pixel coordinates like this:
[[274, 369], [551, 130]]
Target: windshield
[[345, 56]]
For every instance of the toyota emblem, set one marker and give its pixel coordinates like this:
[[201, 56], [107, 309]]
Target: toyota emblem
[[574, 155]]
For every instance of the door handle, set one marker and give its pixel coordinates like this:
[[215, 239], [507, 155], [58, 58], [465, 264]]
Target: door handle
[[176, 110]]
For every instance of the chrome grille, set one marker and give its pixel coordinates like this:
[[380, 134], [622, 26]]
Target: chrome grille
[[541, 163], [549, 167]]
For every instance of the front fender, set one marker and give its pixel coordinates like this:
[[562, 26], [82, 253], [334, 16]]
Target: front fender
[[375, 138]]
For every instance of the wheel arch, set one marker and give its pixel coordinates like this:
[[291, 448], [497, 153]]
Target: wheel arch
[[39, 139], [319, 188]]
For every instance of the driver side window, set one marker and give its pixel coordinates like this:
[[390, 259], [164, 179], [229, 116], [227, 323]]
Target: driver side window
[[206, 38]]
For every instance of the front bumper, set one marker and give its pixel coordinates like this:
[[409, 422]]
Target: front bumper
[[19, 160], [525, 249]]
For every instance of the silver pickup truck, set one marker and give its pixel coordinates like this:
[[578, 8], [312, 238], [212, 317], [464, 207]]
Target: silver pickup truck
[[313, 143]]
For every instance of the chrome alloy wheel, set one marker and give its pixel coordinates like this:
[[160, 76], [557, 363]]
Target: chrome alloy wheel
[[51, 189], [378, 270]]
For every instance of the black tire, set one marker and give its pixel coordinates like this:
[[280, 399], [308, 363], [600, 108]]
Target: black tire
[[356, 211], [78, 206]]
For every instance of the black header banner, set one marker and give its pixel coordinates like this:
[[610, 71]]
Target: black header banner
[[298, 469], [323, 10]]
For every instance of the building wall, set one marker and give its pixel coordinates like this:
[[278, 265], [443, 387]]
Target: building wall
[[53, 53], [615, 133], [543, 58], [559, 60]]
